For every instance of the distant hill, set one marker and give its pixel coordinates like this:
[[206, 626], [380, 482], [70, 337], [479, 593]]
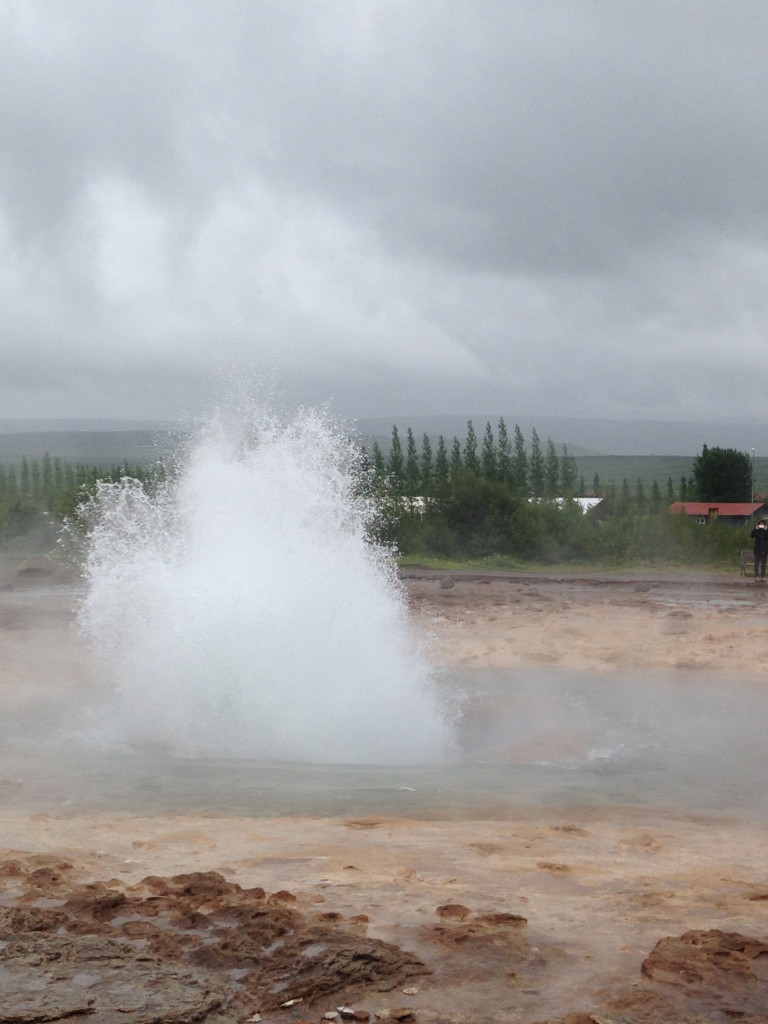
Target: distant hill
[[102, 448], [38, 426], [591, 436]]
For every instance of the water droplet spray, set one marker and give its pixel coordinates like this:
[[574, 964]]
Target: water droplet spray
[[240, 608]]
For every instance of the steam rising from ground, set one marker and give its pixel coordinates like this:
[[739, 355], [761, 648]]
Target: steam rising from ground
[[240, 610]]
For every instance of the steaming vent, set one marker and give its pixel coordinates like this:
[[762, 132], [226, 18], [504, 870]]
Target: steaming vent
[[241, 610]]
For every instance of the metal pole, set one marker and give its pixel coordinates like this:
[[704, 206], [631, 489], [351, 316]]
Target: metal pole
[[752, 474]]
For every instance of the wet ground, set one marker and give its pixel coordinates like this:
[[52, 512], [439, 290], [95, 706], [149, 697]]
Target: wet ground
[[610, 807]]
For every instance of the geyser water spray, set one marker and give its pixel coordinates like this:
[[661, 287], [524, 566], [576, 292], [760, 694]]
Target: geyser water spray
[[240, 609]]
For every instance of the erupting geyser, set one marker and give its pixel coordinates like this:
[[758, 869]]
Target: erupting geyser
[[240, 610]]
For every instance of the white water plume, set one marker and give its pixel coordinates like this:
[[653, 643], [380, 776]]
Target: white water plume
[[240, 609]]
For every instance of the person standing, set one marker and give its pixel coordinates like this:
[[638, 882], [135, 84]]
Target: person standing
[[760, 536]]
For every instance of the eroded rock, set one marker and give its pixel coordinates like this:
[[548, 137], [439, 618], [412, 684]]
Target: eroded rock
[[193, 947], [50, 977], [700, 977], [714, 970]]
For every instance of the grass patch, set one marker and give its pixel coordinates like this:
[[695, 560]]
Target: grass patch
[[505, 564], [473, 565]]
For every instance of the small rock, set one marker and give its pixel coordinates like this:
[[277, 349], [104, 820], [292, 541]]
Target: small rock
[[411, 990], [282, 896], [346, 1012], [502, 920], [453, 910], [290, 1002], [447, 582], [37, 565], [556, 869], [331, 1015]]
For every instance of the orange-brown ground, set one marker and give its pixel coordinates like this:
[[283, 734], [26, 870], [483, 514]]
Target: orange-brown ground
[[598, 887]]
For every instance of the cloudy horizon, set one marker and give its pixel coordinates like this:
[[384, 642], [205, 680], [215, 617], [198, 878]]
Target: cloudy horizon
[[554, 207]]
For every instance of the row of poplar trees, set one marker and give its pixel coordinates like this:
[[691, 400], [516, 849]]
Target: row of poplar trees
[[534, 470]]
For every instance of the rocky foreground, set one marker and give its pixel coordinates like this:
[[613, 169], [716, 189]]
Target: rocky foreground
[[197, 947]]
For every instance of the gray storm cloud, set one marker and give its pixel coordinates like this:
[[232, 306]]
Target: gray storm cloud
[[435, 207]]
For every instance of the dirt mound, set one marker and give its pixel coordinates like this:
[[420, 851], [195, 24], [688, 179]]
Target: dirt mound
[[723, 973], [700, 977], [189, 947]]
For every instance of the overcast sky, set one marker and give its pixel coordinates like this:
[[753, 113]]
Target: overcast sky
[[395, 206]]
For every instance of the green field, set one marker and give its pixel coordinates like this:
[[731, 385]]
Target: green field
[[616, 468]]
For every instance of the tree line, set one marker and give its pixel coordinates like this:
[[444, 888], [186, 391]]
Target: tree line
[[492, 497], [488, 497], [35, 491], [533, 468]]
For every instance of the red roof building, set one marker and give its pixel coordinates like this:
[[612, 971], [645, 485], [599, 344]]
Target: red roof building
[[736, 512]]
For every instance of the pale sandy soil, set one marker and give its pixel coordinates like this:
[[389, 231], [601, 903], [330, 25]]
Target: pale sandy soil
[[598, 624], [598, 886]]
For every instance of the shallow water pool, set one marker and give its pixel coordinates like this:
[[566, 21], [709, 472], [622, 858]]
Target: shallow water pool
[[686, 743]]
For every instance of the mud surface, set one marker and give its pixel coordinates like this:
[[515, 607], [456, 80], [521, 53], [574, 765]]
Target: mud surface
[[613, 913], [653, 621]]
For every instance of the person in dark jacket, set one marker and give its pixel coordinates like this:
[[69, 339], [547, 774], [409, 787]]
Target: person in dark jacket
[[760, 536]]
